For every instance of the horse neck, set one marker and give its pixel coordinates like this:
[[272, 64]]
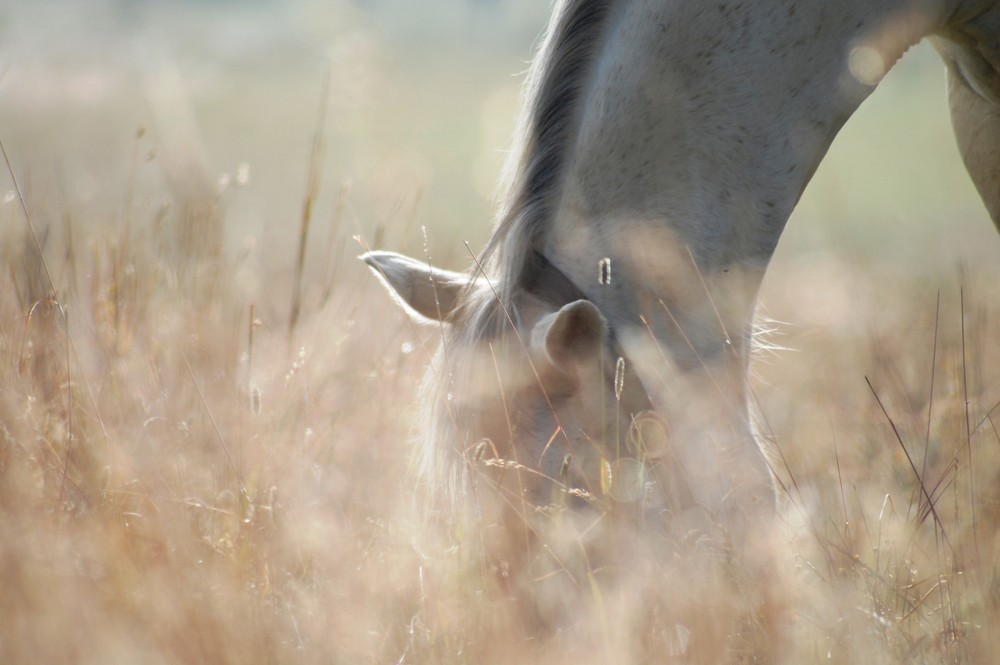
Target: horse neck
[[697, 131]]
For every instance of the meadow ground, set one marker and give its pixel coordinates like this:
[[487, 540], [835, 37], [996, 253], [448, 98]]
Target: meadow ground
[[190, 475]]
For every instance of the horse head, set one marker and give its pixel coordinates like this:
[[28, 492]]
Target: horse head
[[531, 395]]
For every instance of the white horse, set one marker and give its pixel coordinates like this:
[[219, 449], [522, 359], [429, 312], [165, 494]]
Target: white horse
[[661, 149]]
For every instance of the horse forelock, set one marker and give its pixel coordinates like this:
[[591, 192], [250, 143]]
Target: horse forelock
[[546, 129], [484, 345]]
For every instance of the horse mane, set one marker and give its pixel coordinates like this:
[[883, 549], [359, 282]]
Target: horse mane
[[547, 125], [511, 261]]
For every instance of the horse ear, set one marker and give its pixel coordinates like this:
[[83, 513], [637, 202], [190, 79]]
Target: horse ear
[[427, 294], [572, 335]]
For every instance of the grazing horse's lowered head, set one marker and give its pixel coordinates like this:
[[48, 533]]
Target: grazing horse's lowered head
[[672, 139], [531, 399]]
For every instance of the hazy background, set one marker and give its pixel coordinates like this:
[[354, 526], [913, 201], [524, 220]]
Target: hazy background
[[421, 105]]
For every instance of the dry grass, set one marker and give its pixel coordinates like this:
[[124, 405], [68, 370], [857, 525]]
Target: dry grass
[[180, 483], [182, 480]]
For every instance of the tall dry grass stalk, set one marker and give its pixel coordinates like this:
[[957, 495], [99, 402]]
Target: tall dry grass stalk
[[312, 191]]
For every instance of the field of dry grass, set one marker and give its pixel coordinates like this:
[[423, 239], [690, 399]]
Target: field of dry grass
[[187, 476]]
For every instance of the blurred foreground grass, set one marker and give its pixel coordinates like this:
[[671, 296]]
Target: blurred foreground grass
[[182, 479]]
